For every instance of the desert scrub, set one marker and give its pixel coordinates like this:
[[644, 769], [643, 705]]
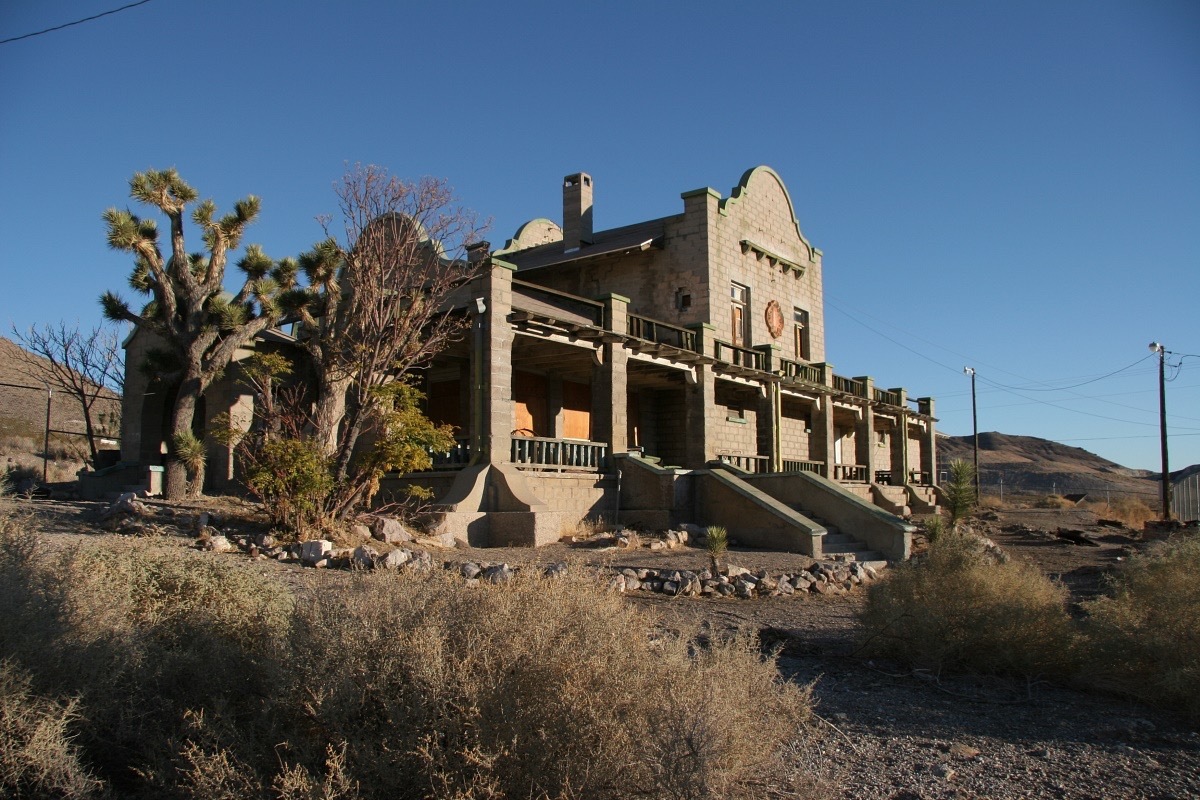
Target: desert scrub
[[37, 755], [140, 635], [533, 688], [1144, 635], [959, 609]]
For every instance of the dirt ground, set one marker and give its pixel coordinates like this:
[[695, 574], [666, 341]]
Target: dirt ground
[[885, 731]]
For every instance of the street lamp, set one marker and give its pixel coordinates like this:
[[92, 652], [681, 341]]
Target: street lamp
[[1157, 347], [974, 427]]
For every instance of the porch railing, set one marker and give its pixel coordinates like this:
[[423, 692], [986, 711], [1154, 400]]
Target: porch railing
[[661, 333], [853, 473], [809, 373], [850, 386], [738, 356], [919, 478], [535, 452], [753, 464], [815, 467], [456, 457], [886, 396]]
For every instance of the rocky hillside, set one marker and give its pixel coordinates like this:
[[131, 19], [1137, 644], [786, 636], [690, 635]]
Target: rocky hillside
[[23, 411], [1029, 465]]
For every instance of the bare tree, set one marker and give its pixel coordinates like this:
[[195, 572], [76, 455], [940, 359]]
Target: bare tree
[[201, 326], [375, 301], [88, 366]]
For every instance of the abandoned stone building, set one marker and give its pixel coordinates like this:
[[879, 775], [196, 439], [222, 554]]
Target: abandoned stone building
[[669, 371]]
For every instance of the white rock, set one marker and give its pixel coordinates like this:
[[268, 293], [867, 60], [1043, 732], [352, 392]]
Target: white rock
[[316, 550]]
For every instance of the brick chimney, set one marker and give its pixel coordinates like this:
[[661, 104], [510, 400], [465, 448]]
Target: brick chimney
[[577, 211]]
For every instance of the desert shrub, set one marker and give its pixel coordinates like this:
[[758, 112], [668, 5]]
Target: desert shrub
[[140, 635], [534, 688], [935, 527], [1053, 501], [1144, 635], [293, 479], [37, 756], [958, 608], [716, 542], [1132, 512], [960, 491]]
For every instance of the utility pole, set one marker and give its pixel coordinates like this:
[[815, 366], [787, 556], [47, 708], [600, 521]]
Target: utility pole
[[974, 427], [1157, 347]]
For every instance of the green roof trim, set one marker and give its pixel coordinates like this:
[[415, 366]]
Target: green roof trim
[[774, 258]]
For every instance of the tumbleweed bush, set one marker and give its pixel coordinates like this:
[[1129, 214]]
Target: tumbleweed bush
[[958, 609], [1144, 635]]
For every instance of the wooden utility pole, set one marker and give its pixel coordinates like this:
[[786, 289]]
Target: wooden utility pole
[[1157, 347], [975, 428]]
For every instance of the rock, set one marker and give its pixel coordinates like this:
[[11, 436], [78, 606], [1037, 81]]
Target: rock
[[315, 551], [446, 540], [801, 583], [623, 541], [744, 588], [658, 545], [218, 544], [556, 570], [734, 571], [389, 530], [470, 570], [617, 584], [670, 588], [363, 557], [360, 532], [393, 559], [264, 541], [725, 589], [499, 573], [944, 771]]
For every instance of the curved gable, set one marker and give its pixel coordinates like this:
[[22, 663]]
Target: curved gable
[[531, 234], [762, 187]]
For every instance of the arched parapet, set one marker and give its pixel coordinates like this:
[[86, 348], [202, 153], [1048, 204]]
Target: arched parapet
[[763, 182], [531, 234]]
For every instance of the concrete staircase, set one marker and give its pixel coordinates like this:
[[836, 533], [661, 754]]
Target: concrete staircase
[[844, 547]]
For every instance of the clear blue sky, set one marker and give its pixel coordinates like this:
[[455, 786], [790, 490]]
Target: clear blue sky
[[1010, 185]]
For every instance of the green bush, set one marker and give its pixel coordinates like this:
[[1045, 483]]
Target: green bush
[[960, 491], [293, 479], [1144, 636], [958, 608]]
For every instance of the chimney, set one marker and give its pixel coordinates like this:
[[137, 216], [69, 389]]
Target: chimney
[[577, 211]]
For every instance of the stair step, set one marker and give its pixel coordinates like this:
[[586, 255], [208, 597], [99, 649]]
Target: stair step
[[843, 547], [840, 538]]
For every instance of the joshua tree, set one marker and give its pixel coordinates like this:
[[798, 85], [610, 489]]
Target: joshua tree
[[198, 325]]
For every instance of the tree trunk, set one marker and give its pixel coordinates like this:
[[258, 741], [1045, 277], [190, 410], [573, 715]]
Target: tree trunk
[[330, 411], [175, 485]]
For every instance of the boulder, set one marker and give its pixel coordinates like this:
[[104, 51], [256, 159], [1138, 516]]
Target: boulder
[[391, 531], [311, 553]]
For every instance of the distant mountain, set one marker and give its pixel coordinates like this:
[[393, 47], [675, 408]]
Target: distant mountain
[[1029, 465]]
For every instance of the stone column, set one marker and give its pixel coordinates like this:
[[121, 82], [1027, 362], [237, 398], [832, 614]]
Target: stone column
[[610, 384], [929, 445], [823, 428], [899, 441], [699, 399], [768, 411], [496, 362], [864, 434]]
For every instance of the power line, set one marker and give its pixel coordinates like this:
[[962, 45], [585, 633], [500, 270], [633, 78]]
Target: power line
[[76, 22]]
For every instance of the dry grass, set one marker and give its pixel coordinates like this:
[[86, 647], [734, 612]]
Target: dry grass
[[536, 688], [583, 529], [1129, 511], [1144, 637], [957, 608], [37, 755], [197, 678]]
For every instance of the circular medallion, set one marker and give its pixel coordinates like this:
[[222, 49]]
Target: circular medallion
[[774, 318]]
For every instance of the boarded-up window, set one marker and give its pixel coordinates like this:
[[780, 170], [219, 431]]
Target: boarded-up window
[[739, 296], [445, 404], [529, 405], [577, 410]]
